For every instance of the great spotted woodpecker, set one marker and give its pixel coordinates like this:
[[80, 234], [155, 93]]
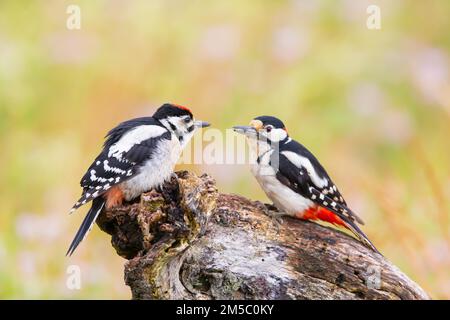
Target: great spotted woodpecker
[[138, 155], [293, 178]]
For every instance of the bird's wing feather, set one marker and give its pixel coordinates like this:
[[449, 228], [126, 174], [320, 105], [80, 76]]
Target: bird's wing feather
[[118, 163], [324, 200], [298, 179], [118, 131], [302, 176], [292, 176]]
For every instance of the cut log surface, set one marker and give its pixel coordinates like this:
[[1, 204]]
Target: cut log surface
[[191, 242]]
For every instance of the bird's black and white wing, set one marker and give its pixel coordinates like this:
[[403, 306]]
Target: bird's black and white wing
[[299, 170], [126, 149], [302, 172]]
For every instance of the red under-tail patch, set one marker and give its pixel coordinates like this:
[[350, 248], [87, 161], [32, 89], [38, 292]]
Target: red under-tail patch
[[114, 197], [319, 213], [182, 107]]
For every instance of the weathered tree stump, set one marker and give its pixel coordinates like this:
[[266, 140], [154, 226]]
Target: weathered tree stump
[[191, 242]]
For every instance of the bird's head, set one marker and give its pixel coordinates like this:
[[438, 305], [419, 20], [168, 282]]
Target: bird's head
[[265, 128], [178, 120]]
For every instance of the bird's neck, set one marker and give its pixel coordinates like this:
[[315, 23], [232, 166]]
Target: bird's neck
[[259, 148]]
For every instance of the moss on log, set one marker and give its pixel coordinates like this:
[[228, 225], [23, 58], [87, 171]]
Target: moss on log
[[189, 241]]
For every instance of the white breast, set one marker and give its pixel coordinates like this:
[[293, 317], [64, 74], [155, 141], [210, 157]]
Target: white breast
[[155, 171], [283, 197]]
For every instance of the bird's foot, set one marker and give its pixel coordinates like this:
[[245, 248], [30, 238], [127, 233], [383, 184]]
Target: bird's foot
[[173, 176], [277, 221], [275, 216]]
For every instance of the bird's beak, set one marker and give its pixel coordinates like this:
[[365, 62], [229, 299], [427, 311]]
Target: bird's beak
[[201, 124], [245, 130], [250, 131]]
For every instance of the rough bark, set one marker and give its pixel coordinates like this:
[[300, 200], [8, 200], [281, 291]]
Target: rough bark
[[191, 242]]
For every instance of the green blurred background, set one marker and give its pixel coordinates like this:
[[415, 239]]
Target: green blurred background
[[373, 105]]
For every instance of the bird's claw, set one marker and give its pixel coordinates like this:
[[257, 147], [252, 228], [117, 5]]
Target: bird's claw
[[275, 216], [277, 221]]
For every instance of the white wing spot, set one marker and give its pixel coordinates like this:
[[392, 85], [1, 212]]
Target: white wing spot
[[133, 137]]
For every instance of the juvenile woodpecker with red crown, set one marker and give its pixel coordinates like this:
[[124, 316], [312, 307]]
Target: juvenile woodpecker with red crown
[[138, 155], [293, 178]]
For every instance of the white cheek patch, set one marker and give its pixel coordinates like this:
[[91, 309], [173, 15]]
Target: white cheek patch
[[277, 135], [181, 128], [300, 161], [176, 121]]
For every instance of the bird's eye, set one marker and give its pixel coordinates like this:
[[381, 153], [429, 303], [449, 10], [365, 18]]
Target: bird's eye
[[187, 120], [269, 128]]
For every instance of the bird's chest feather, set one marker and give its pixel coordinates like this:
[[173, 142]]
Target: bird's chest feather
[[283, 197], [154, 171]]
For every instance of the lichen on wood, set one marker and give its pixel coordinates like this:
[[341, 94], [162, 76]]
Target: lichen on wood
[[188, 241]]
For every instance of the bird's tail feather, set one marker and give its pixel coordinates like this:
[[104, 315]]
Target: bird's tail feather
[[91, 216], [360, 235], [337, 218]]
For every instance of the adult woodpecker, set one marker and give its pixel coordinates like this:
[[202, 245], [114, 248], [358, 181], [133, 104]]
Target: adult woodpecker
[[293, 178], [138, 155]]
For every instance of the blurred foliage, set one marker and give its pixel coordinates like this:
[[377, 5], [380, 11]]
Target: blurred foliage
[[374, 105]]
